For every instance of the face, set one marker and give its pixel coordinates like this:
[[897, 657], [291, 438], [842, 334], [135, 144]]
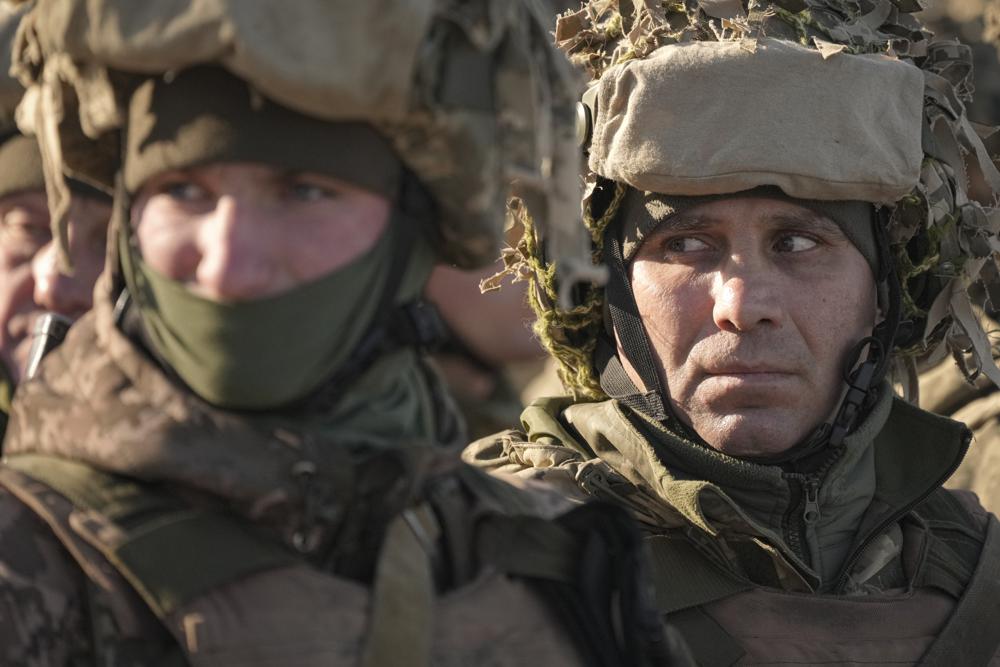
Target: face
[[73, 295], [31, 281], [752, 307], [238, 231], [24, 231]]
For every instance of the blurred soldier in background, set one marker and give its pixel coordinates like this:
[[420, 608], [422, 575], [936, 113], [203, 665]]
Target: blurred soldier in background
[[34, 278]]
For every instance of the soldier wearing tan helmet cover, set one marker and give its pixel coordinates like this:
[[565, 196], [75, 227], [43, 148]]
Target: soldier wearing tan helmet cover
[[780, 192], [239, 457]]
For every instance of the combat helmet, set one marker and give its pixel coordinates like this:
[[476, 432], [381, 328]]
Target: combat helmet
[[467, 97], [494, 111], [862, 78]]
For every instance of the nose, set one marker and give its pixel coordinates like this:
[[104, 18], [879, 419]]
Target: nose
[[237, 263], [54, 290], [746, 297]]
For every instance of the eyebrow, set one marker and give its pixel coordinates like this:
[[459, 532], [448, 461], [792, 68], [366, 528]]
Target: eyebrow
[[804, 219]]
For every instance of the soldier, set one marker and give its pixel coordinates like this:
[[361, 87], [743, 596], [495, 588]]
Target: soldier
[[237, 457], [34, 282], [778, 191]]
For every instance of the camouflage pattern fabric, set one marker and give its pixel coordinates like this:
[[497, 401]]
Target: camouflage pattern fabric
[[42, 601], [99, 401], [472, 95]]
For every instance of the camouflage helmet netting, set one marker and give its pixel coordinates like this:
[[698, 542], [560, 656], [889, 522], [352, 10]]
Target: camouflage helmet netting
[[944, 242]]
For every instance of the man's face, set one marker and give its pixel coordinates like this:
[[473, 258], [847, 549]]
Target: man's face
[[238, 232], [24, 231], [752, 307], [72, 295], [30, 280]]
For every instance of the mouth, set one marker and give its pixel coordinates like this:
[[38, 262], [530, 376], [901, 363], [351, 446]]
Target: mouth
[[748, 370], [752, 377]]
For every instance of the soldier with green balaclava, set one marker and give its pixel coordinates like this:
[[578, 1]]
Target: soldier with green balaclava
[[779, 192], [240, 456]]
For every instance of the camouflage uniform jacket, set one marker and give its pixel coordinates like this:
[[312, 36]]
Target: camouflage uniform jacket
[[69, 590], [862, 562]]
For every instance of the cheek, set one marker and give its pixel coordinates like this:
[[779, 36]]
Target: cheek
[[331, 235], [16, 288], [166, 240], [674, 306], [835, 315]]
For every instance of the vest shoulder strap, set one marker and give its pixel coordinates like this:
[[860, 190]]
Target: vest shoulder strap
[[685, 578], [954, 542], [168, 551], [967, 638], [586, 565]]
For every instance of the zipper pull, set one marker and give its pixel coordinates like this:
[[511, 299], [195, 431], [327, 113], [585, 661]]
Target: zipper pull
[[810, 513]]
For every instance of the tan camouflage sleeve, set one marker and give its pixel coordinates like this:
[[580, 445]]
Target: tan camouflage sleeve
[[42, 618]]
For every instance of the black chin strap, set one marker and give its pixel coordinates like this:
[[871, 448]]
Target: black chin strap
[[863, 381], [634, 343]]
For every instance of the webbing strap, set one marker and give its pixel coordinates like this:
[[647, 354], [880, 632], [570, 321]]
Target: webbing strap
[[685, 578], [402, 616], [971, 637], [628, 325], [708, 641], [168, 551]]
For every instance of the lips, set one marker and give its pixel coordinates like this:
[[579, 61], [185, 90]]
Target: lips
[[748, 369]]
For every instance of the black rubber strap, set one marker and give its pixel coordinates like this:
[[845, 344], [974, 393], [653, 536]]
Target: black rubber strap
[[635, 344], [965, 640], [863, 382]]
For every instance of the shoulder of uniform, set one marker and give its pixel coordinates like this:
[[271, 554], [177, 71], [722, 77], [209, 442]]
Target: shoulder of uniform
[[954, 509], [42, 592]]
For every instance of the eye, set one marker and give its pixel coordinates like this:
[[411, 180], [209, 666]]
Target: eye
[[24, 232], [184, 191], [686, 244], [309, 192], [794, 243]]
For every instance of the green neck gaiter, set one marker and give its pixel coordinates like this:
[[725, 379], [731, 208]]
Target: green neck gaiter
[[266, 353]]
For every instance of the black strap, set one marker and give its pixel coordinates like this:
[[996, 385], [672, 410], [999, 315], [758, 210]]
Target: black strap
[[863, 382], [635, 344], [709, 642], [970, 636]]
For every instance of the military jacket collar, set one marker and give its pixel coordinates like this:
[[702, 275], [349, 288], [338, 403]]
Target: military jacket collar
[[893, 461]]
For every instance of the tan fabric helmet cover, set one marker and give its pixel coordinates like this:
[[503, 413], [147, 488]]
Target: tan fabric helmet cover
[[471, 94]]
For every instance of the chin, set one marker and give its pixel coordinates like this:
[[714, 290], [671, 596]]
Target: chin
[[748, 435]]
